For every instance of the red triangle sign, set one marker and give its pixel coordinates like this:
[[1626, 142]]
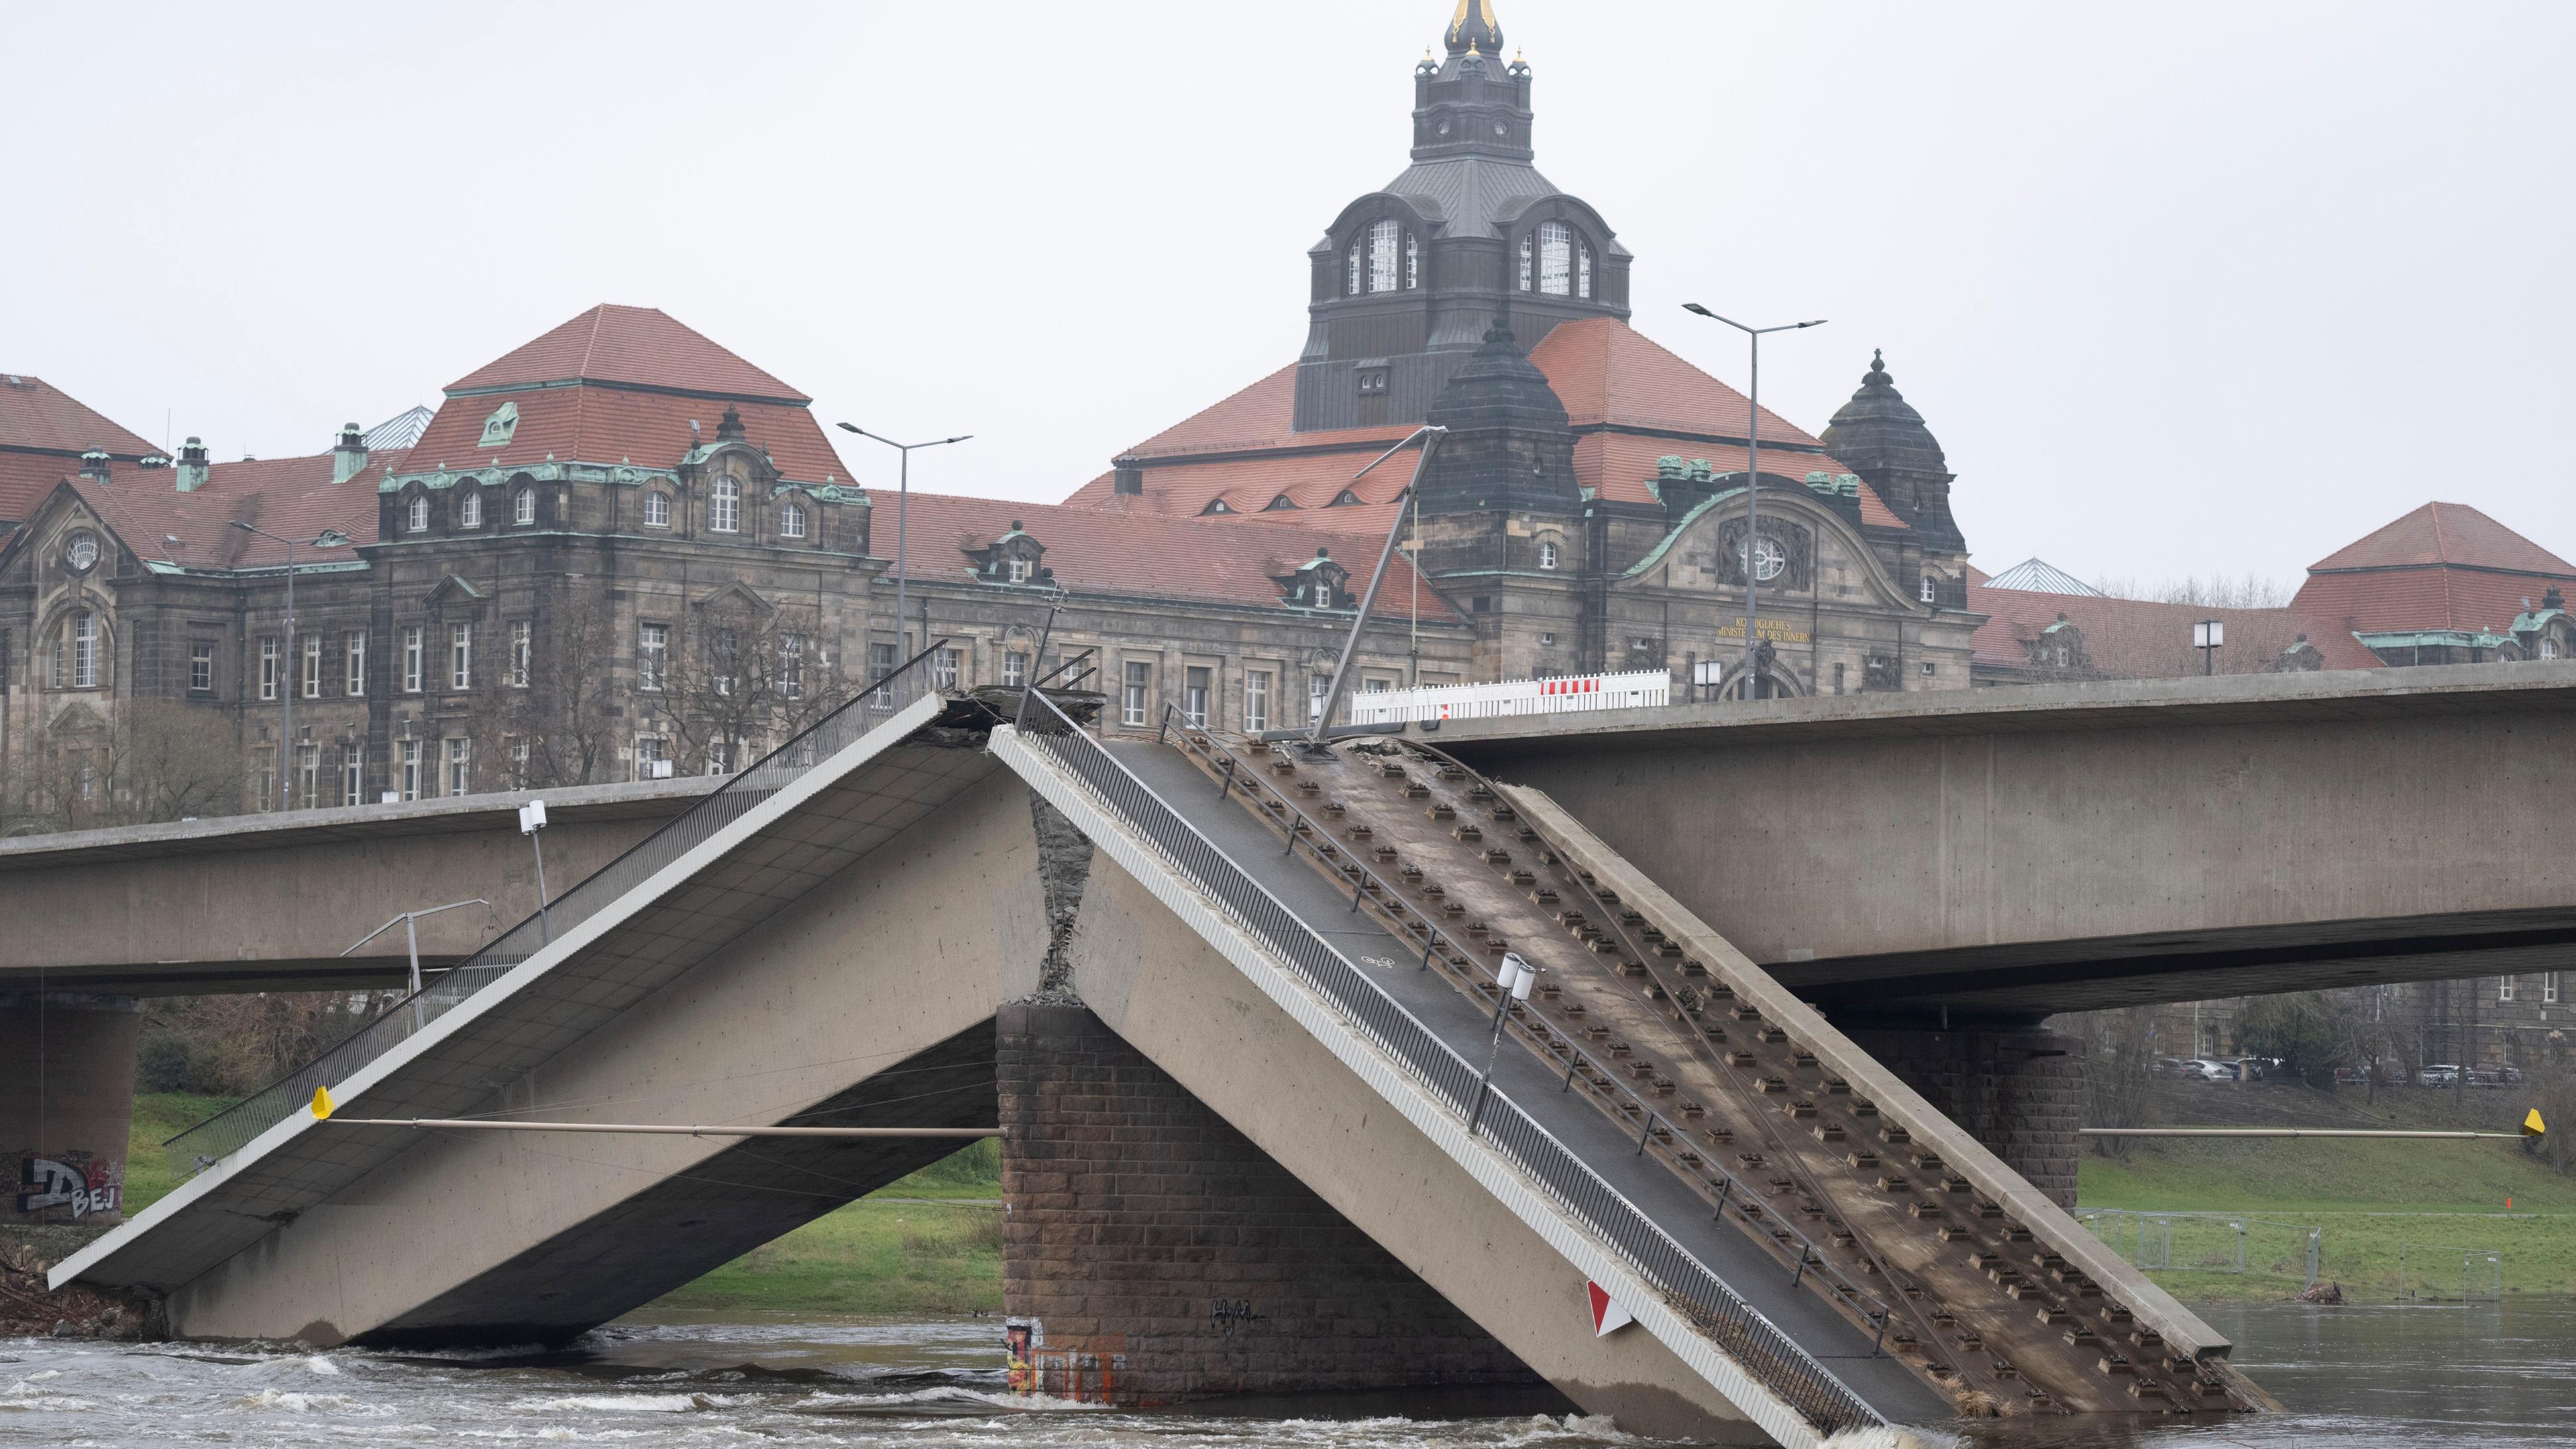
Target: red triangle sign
[[1607, 1315]]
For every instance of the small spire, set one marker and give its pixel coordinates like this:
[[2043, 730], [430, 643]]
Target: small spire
[[1877, 374], [1473, 29]]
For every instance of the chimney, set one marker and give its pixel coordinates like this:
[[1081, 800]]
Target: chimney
[[94, 465], [192, 465], [1127, 476], [349, 455]]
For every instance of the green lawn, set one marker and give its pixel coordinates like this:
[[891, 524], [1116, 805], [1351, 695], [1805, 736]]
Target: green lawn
[[158, 1117], [2338, 1184]]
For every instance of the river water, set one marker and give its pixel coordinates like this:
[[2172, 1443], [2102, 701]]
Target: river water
[[2351, 1376]]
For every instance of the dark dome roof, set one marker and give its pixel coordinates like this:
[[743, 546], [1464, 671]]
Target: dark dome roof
[[1499, 387], [1879, 429]]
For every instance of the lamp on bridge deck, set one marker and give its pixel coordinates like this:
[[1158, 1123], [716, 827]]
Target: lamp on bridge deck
[[2208, 636]]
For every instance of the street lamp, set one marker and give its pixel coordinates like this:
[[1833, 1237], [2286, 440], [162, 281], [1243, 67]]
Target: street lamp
[[2209, 637], [327, 538], [902, 502], [1753, 477]]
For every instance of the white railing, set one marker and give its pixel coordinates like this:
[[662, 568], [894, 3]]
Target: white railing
[[1634, 690]]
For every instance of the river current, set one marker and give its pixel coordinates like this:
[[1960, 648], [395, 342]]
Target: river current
[[2351, 1376]]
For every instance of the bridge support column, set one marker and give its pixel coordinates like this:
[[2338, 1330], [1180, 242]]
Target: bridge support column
[[66, 1104], [2021, 1093], [1152, 1254]]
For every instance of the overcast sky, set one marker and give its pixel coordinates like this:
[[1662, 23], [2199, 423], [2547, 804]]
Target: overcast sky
[[2180, 288]]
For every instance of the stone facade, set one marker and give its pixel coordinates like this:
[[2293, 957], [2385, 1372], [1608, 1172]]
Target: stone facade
[[2021, 1093], [1153, 1254]]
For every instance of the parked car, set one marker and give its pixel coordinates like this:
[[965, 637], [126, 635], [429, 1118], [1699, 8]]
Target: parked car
[[2177, 1067], [2495, 1077], [2213, 1070], [2442, 1074]]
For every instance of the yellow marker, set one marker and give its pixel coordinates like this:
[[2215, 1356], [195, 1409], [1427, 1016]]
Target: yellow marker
[[322, 1104], [2532, 1126]]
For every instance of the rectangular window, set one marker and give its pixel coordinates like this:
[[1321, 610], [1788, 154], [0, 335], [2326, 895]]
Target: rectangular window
[[652, 653], [523, 646], [724, 506], [267, 784], [518, 762], [411, 662], [1015, 670], [944, 667], [312, 675], [1019, 570], [268, 666], [1140, 682], [411, 769], [791, 666], [308, 776], [720, 757], [1194, 695], [2549, 988], [1377, 686], [881, 662], [460, 766], [353, 652], [201, 668], [652, 758], [1256, 701], [353, 776], [724, 656], [460, 656], [1318, 687], [2504, 988]]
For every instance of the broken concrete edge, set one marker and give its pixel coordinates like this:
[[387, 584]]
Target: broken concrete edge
[[725, 838], [1395, 1085], [2048, 1223]]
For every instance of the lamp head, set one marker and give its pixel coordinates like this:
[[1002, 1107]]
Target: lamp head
[[851, 428], [331, 538], [1695, 307]]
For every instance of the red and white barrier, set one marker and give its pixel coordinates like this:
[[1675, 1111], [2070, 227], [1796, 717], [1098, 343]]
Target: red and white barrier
[[1561, 695]]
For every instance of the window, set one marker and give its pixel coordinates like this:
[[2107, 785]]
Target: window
[[523, 645], [1377, 686], [460, 656], [1140, 680], [652, 653], [460, 766], [1015, 669], [1927, 594], [1412, 261], [412, 649], [518, 762], [1546, 555], [312, 678], [943, 668], [1555, 258], [353, 648], [1317, 687], [411, 769], [353, 775], [1194, 696], [881, 662], [1582, 270], [791, 521], [201, 668], [419, 513], [657, 510], [720, 757], [1018, 570], [2504, 988], [1351, 276], [724, 506], [1256, 700], [469, 510], [308, 775], [84, 635], [1529, 251], [791, 666], [2549, 988], [523, 508], [1383, 259], [268, 666], [267, 783], [652, 758]]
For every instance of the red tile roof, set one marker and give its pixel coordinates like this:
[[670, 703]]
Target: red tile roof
[[2446, 533], [637, 346], [1102, 551], [611, 425], [43, 432], [2443, 566], [290, 497], [1606, 371], [2143, 639]]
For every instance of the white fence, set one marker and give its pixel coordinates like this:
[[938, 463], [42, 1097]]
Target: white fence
[[1519, 696]]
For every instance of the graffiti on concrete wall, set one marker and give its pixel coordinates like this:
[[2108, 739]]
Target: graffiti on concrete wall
[[1224, 1314], [73, 1184]]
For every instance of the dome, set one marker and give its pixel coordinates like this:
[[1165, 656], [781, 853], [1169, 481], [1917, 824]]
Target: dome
[[1879, 429]]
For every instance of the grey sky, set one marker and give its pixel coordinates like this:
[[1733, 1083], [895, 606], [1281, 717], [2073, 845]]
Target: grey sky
[[2180, 288]]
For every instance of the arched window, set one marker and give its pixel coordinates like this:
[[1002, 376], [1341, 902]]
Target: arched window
[[1529, 252], [76, 660], [1384, 237], [1555, 258], [1546, 555], [1412, 261], [1927, 587], [657, 510], [469, 513], [1351, 277], [1582, 269], [724, 505], [524, 508], [1217, 505], [420, 513], [791, 521]]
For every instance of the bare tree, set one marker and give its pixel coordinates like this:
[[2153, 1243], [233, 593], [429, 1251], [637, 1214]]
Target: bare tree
[[558, 728], [157, 761], [746, 679], [2119, 1065], [2217, 591]]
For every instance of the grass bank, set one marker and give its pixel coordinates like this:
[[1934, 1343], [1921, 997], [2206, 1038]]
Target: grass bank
[[2368, 1196], [158, 1117]]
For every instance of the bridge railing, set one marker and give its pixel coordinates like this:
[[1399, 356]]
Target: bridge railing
[[1688, 1285], [209, 1141]]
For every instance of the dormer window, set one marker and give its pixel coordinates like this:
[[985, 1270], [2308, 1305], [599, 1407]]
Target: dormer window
[[1412, 261], [724, 505], [523, 508], [791, 521], [469, 513], [1280, 504], [1385, 237], [657, 510], [1351, 272], [1582, 269], [1376, 381], [1016, 569], [419, 520], [1555, 258], [1343, 499], [1217, 505]]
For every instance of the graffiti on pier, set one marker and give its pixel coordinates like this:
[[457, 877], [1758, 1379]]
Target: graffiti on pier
[[1225, 1313], [80, 1183]]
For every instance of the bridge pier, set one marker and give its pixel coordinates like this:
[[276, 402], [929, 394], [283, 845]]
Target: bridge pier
[[2019, 1091], [66, 1104], [1154, 1254]]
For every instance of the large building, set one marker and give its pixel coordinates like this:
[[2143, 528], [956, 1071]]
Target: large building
[[621, 549]]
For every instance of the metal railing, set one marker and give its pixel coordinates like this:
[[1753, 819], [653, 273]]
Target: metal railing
[[209, 1141], [1653, 1126], [1756, 1344]]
